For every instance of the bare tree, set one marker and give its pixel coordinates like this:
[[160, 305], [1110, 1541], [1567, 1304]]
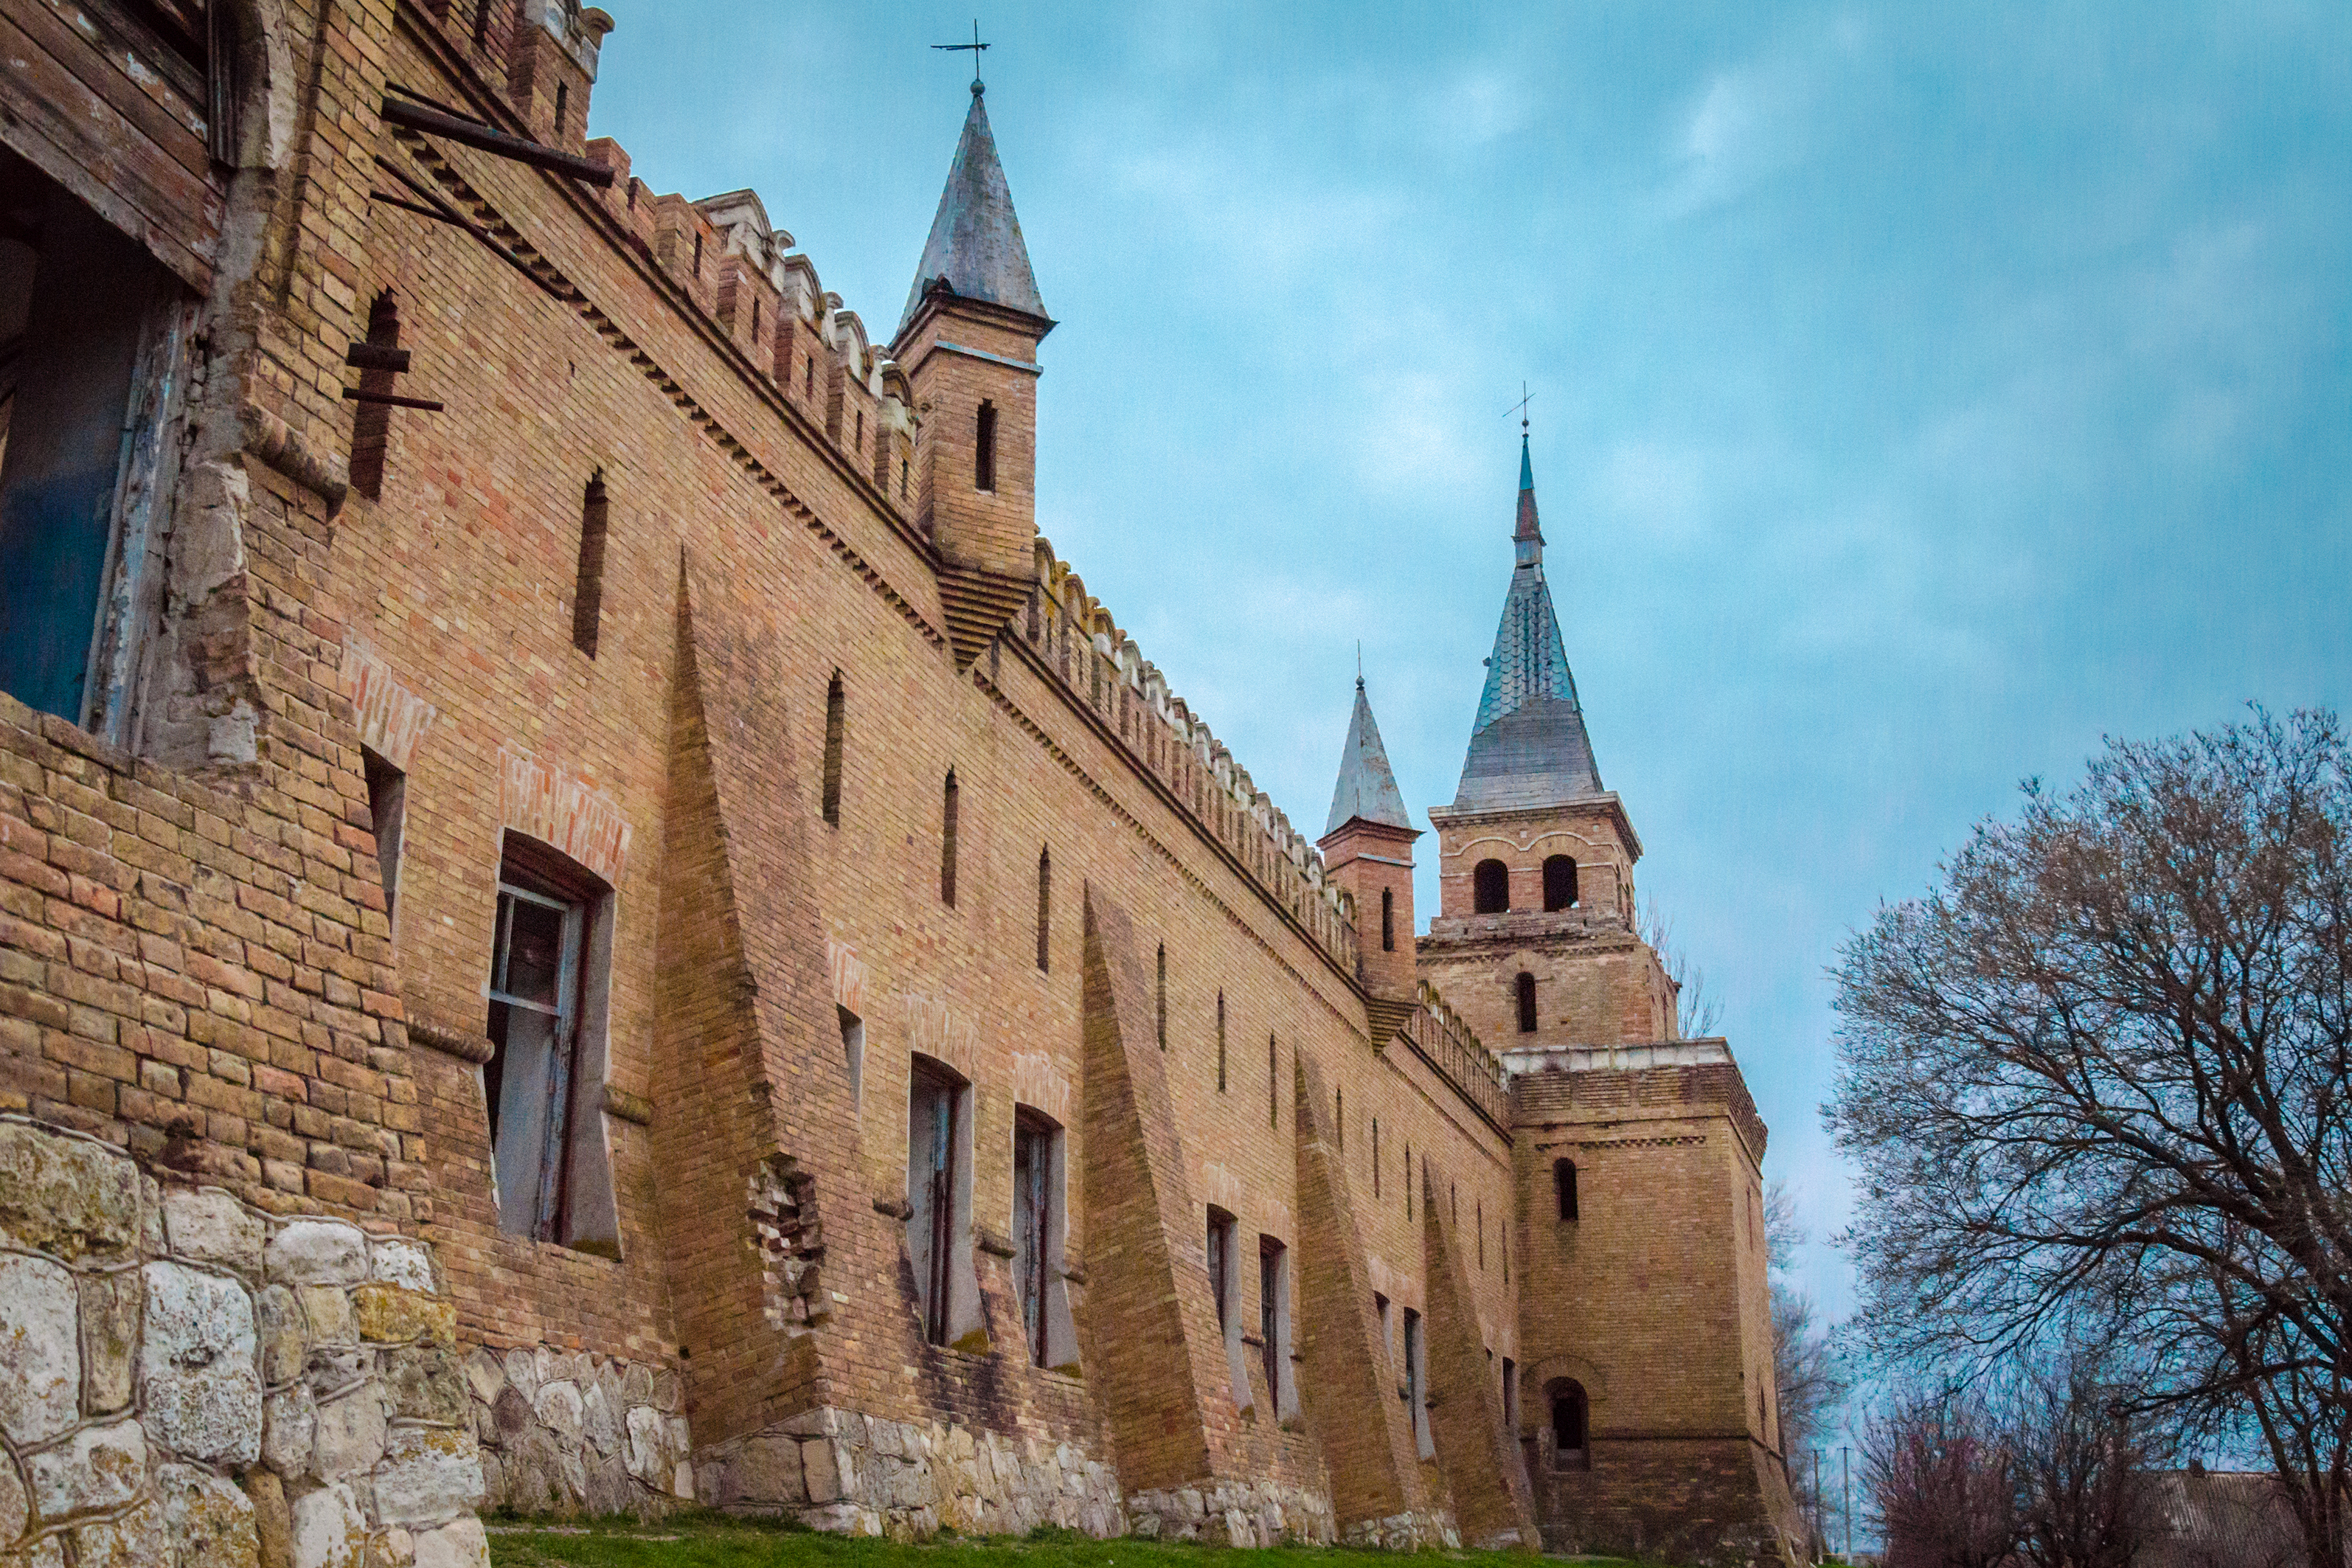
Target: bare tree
[[2099, 1085], [1941, 1481], [2086, 1461], [1698, 1012], [1807, 1374]]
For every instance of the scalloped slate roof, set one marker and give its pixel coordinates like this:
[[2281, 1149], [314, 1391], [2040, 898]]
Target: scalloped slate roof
[[1528, 746], [975, 241], [1368, 786]]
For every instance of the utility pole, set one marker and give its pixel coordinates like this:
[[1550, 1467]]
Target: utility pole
[[1821, 1539], [1845, 1467]]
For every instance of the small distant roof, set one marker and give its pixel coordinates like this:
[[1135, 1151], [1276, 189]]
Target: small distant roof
[[1367, 788], [976, 246], [1528, 746]]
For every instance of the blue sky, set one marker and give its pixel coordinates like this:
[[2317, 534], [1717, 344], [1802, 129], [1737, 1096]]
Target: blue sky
[[1922, 392]]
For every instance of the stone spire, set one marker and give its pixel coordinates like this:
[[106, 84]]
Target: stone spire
[[1528, 747], [1367, 788], [975, 250]]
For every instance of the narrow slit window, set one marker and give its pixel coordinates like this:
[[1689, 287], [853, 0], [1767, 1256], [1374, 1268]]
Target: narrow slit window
[[588, 596], [372, 423], [1490, 885], [1376, 1157], [1563, 1183], [1221, 1042], [1481, 1206], [1045, 911], [755, 318], [1559, 883], [697, 253], [1273, 1087], [1511, 1398], [388, 789], [1339, 1116], [563, 107], [836, 726], [853, 1053], [808, 378], [948, 842], [1160, 999], [859, 443], [1525, 987], [1388, 920], [984, 448]]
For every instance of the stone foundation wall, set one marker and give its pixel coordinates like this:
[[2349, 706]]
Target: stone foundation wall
[[842, 1471], [187, 1380], [578, 1432], [1239, 1513]]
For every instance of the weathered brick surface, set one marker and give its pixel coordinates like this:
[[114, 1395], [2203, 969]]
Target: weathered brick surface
[[200, 961]]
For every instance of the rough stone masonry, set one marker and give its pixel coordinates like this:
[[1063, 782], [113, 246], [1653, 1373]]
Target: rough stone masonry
[[591, 920]]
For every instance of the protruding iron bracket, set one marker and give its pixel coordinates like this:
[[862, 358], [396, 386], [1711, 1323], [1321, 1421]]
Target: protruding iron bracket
[[412, 113]]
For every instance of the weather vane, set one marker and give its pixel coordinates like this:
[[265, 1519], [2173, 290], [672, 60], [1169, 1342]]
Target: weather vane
[[1520, 408], [975, 47]]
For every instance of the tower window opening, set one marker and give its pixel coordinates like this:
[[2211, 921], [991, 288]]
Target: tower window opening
[[1559, 883], [1571, 1423], [837, 724], [1563, 1184], [860, 443], [1388, 920], [948, 842], [984, 448], [808, 378], [563, 107], [1525, 988], [588, 596], [1491, 887], [697, 253]]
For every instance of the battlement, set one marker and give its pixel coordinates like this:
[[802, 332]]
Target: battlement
[[1441, 1038], [1102, 670]]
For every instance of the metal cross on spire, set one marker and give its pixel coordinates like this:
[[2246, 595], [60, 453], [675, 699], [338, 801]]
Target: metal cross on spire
[[975, 47], [1520, 408]]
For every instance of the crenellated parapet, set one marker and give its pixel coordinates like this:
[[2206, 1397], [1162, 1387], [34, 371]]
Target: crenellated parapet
[[1100, 666], [1445, 1042]]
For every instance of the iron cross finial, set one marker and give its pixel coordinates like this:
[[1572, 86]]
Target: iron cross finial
[[1520, 408], [975, 47]]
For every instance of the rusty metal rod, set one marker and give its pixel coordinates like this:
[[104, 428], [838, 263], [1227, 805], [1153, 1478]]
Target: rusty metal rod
[[489, 139], [352, 394]]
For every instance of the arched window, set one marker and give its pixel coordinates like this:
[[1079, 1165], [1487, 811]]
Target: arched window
[[984, 450], [1388, 920], [1526, 993], [1559, 882], [948, 842], [1563, 1184], [1570, 1423], [1491, 885], [836, 725], [1045, 909]]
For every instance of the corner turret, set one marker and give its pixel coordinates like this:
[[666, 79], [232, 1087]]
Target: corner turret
[[1367, 847], [968, 343]]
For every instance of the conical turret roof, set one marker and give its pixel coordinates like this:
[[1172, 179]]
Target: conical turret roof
[[1368, 786], [1528, 747], [976, 245]]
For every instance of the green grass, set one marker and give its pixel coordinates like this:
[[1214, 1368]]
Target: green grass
[[704, 1540]]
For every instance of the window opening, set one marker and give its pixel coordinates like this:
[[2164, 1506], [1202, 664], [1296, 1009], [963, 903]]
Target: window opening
[[1491, 886], [1036, 1230], [563, 107], [1221, 1042], [1559, 882], [372, 423], [853, 1053], [938, 1192], [859, 443], [1273, 1087], [1563, 1181], [697, 253], [808, 380], [755, 318], [534, 1083], [588, 597], [1160, 1000], [1339, 1116], [836, 723], [903, 467], [1481, 1207], [1225, 1289], [388, 789], [1408, 1183], [88, 337], [1416, 1379], [1388, 920], [1511, 1398], [983, 451], [1044, 910], [1376, 1157], [1274, 1321], [1570, 1421], [1380, 1309], [948, 843], [1526, 987]]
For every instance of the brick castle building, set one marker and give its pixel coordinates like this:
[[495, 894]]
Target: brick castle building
[[589, 917]]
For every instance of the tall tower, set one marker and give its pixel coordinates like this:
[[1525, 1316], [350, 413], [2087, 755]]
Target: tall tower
[[1647, 1413], [1368, 849], [967, 342], [1535, 934]]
